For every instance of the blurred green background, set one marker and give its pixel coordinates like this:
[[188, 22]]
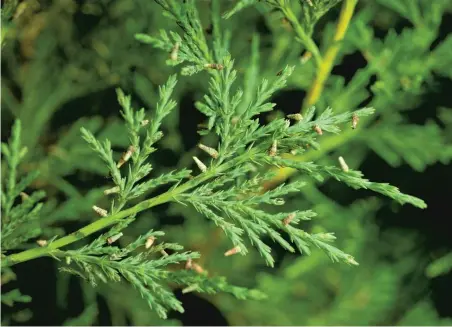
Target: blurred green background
[[62, 60]]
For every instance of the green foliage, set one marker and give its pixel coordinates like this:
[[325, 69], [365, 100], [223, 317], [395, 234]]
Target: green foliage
[[245, 144], [128, 187], [310, 11], [440, 266], [16, 219], [14, 296], [423, 314], [96, 262], [308, 292], [242, 139]]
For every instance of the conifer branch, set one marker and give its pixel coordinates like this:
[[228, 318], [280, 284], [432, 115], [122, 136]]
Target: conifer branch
[[233, 179]]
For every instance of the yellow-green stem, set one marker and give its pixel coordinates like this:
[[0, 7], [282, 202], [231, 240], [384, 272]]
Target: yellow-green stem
[[324, 70]]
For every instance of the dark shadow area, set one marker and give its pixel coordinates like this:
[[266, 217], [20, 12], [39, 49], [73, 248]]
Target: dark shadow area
[[198, 311]]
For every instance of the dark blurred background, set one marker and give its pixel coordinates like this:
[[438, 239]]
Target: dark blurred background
[[37, 278]]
